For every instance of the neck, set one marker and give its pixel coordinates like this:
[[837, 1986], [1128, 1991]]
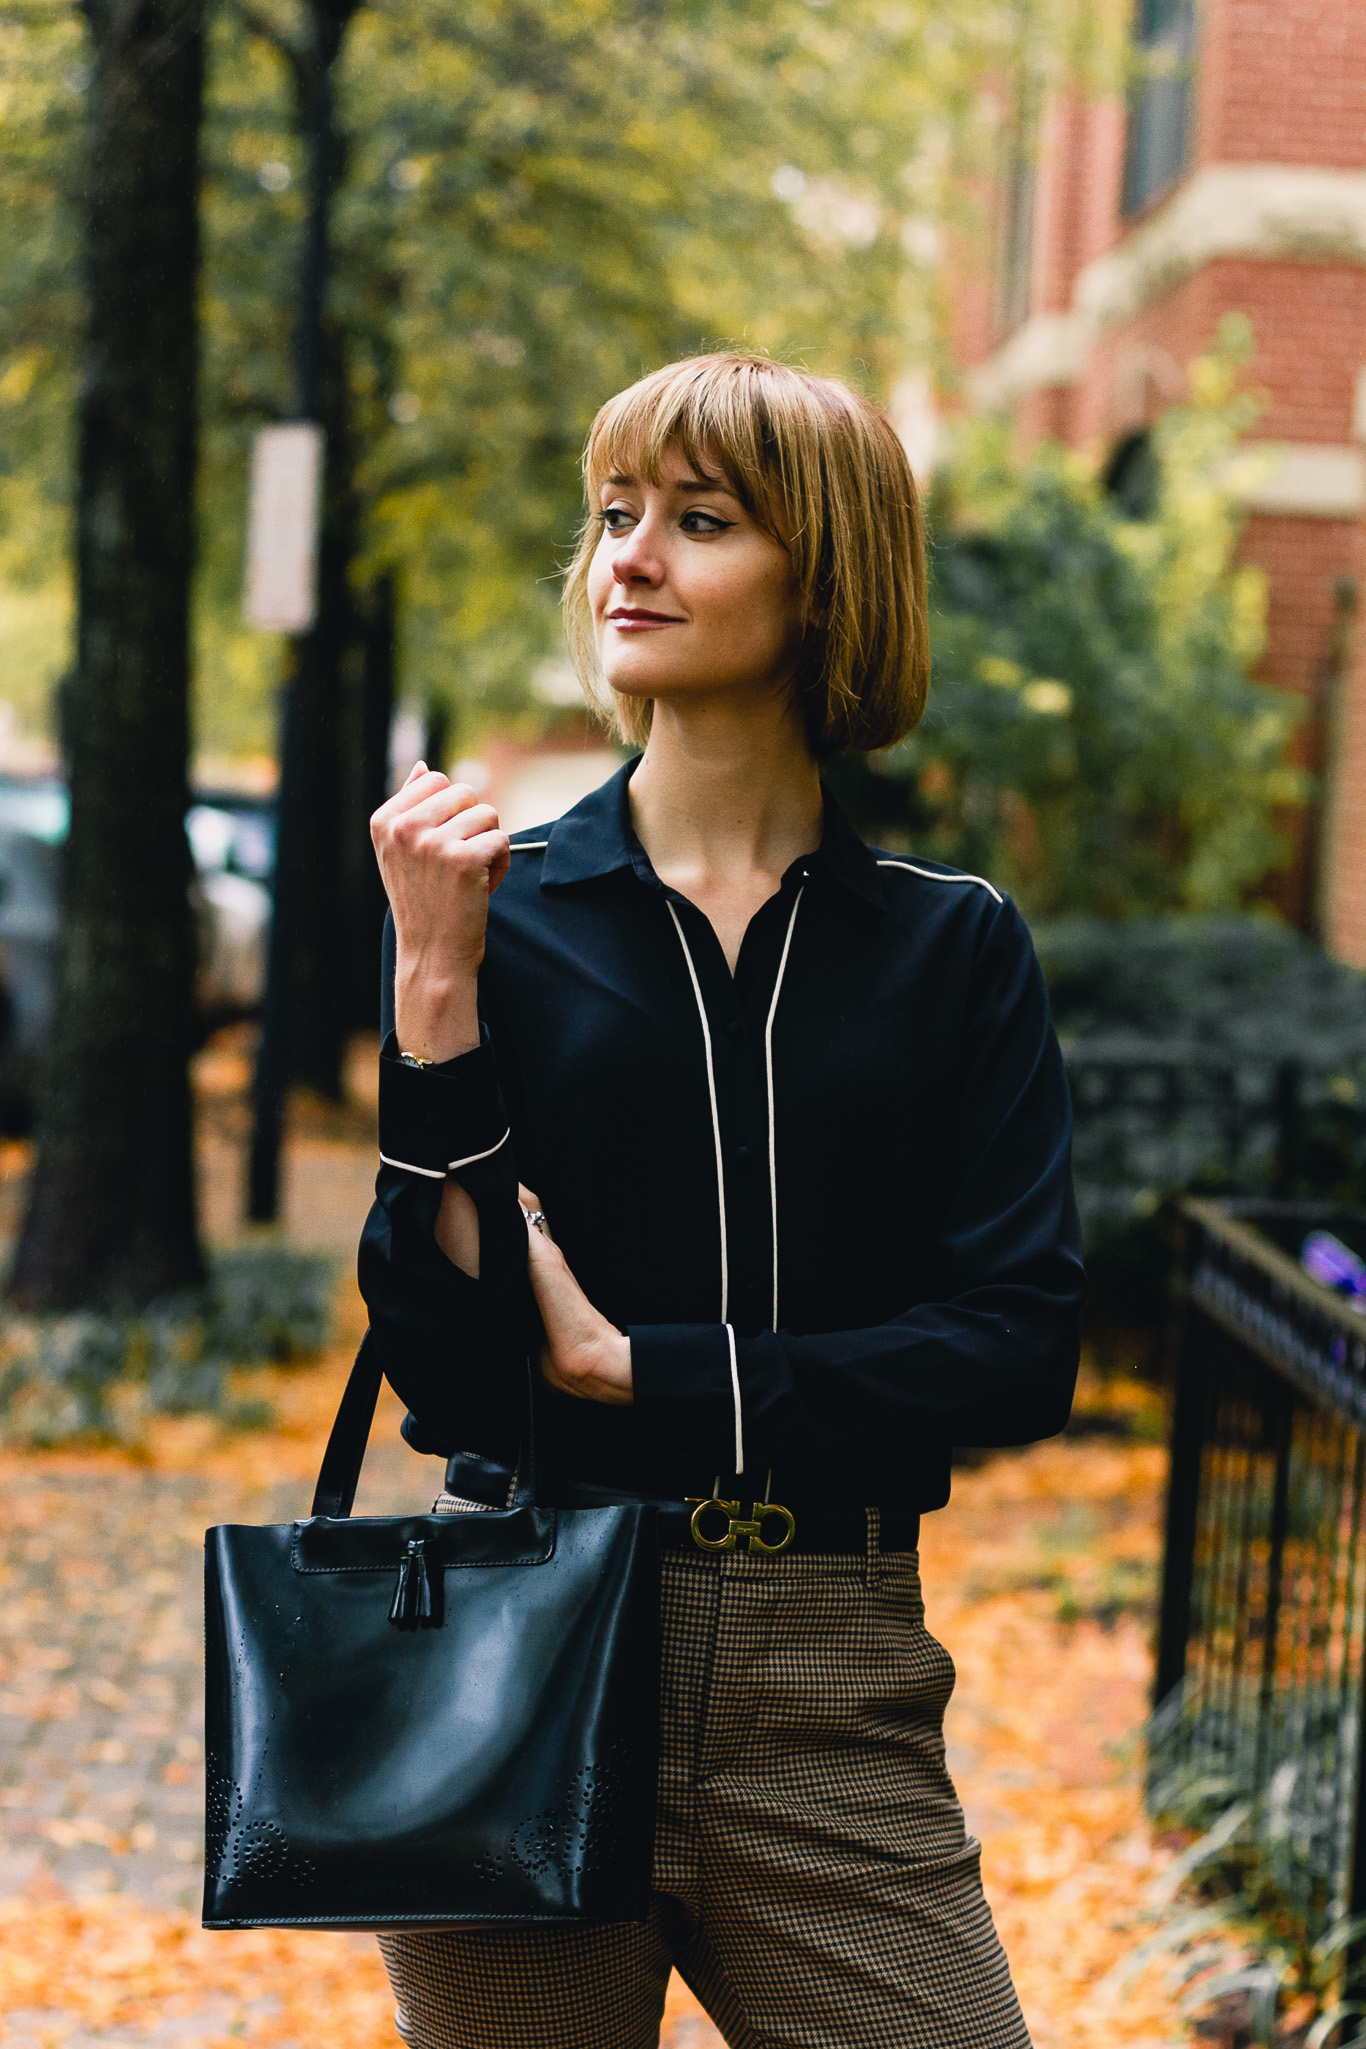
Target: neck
[[725, 790]]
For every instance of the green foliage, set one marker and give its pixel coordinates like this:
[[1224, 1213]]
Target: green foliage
[[1094, 740], [543, 199], [42, 80], [1228, 999], [1242, 985], [553, 196]]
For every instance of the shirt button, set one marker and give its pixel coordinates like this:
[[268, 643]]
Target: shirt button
[[733, 1027], [742, 1153]]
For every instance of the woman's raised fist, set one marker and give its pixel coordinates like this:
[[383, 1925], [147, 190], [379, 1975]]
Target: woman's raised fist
[[442, 854]]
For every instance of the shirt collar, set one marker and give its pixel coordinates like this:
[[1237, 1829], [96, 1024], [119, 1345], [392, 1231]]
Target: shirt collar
[[596, 838]]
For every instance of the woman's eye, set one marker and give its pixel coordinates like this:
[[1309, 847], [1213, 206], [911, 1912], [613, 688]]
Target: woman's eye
[[615, 518], [695, 521]]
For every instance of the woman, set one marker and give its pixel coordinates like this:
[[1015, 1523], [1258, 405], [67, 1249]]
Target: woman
[[797, 1123]]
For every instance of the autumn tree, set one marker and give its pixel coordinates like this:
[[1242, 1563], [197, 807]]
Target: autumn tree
[[111, 1213]]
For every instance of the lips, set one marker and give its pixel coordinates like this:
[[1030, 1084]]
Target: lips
[[633, 620]]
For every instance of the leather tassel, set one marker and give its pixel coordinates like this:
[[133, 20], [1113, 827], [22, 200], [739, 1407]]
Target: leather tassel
[[424, 1589], [417, 1602], [401, 1611]]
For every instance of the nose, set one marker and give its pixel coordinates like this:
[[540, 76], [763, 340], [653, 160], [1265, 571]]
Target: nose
[[636, 559]]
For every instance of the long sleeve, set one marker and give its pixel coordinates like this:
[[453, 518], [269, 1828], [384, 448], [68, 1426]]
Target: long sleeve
[[993, 1360], [450, 1344]]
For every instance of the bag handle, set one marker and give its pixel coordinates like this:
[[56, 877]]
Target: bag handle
[[339, 1472]]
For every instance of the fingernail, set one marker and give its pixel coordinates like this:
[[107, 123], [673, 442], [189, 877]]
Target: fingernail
[[419, 768]]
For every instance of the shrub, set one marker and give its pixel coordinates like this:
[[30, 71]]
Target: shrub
[[1094, 740], [1229, 1002], [63, 1377]]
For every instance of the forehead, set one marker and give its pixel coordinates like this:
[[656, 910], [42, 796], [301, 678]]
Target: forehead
[[673, 472], [627, 457]]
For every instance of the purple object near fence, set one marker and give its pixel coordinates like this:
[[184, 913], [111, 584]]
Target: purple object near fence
[[1326, 1259]]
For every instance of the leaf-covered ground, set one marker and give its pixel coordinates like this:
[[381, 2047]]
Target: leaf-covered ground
[[1039, 1579]]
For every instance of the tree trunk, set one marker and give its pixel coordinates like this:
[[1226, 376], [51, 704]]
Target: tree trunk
[[111, 1216], [319, 1024], [303, 1030], [369, 710]]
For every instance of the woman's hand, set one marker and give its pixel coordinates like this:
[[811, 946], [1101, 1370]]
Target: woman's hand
[[584, 1354], [442, 854]]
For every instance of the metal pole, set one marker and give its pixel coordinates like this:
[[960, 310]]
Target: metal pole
[[313, 74], [1190, 1399]]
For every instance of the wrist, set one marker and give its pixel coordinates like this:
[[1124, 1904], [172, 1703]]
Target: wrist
[[436, 1017], [611, 1367]]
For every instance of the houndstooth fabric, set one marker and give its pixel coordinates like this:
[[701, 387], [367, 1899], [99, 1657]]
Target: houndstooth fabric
[[814, 1882]]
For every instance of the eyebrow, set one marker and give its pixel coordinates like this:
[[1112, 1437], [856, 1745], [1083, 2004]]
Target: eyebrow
[[623, 482]]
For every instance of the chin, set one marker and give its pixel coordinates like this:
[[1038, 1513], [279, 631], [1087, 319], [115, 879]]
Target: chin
[[628, 680]]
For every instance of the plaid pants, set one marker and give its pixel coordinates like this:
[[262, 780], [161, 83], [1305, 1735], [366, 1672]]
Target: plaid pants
[[814, 1881]]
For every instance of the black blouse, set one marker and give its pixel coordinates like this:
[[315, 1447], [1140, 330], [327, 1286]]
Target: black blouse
[[829, 1198]]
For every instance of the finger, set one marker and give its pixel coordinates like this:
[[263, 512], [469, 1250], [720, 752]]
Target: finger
[[438, 804], [481, 850], [463, 820], [417, 788], [450, 810], [545, 1255], [418, 768]]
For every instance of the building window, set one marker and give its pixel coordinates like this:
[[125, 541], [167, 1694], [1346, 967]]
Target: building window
[[1159, 99], [1132, 477]]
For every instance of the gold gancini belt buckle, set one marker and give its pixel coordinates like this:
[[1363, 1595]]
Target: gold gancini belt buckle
[[735, 1528]]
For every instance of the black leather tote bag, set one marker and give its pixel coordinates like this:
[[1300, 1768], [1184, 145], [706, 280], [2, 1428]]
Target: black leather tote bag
[[430, 1721]]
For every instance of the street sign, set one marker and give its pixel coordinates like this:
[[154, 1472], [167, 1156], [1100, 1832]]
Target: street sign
[[282, 530]]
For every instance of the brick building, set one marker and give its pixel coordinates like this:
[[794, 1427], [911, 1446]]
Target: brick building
[[1233, 180]]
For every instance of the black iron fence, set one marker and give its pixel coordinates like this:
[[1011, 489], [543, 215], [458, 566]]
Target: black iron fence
[[1258, 1729]]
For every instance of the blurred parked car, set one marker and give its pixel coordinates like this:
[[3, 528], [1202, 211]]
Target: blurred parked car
[[232, 840]]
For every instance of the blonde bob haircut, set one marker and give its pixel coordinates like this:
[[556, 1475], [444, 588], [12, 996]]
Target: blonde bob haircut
[[822, 472]]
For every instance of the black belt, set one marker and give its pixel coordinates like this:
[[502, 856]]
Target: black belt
[[758, 1528]]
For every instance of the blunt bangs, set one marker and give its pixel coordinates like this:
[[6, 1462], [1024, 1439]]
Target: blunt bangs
[[822, 472]]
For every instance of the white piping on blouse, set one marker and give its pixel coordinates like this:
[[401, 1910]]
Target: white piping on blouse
[[407, 1167], [772, 1126], [720, 1193], [715, 1121], [930, 876], [440, 1173], [735, 1397]]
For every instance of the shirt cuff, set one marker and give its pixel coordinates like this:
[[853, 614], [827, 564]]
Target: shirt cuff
[[435, 1119], [711, 1400], [683, 1388]]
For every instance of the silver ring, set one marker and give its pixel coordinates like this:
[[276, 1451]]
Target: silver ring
[[536, 1219]]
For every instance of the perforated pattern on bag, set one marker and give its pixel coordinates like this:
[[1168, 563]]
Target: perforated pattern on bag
[[236, 1849], [580, 1834]]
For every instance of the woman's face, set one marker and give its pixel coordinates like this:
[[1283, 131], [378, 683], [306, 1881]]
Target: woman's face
[[689, 597]]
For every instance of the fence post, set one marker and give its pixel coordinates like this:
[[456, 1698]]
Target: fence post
[[1189, 1401], [1283, 1403]]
